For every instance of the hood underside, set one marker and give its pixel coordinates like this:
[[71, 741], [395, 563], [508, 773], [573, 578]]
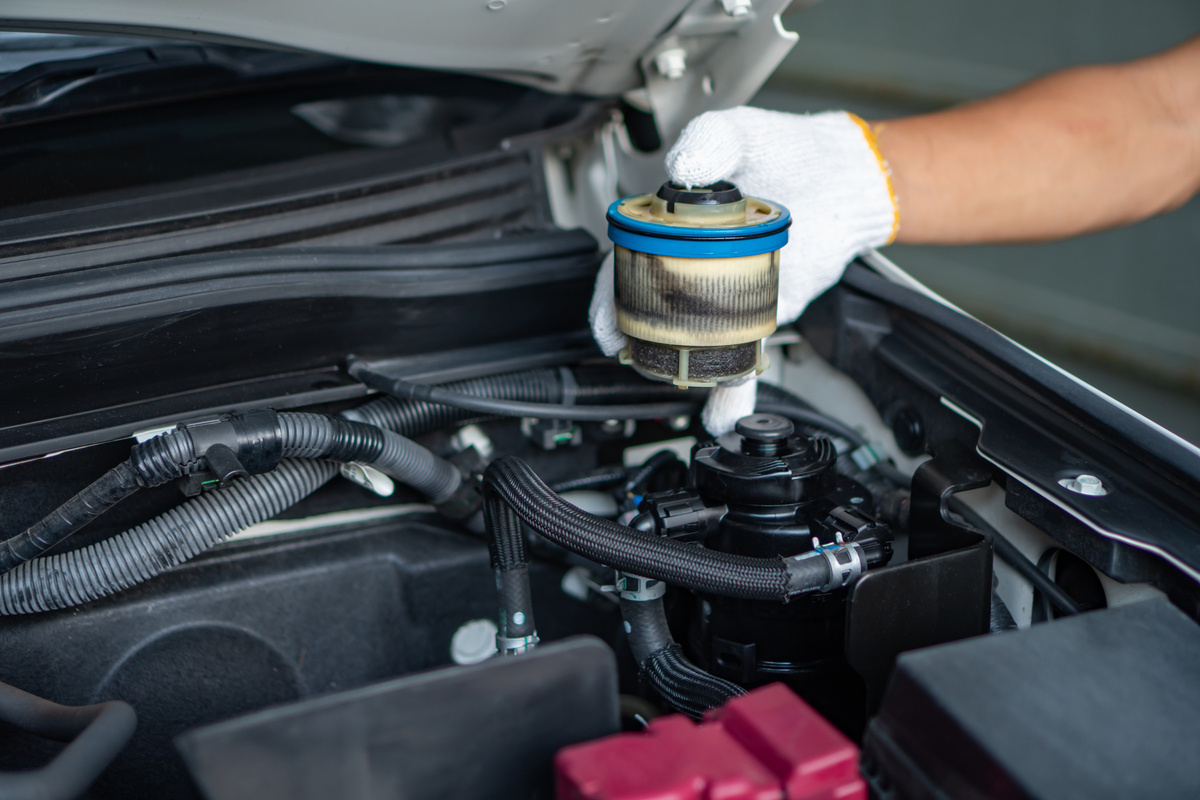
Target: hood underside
[[595, 48]]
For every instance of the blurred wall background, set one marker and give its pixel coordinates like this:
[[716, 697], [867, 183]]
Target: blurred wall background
[[1119, 309]]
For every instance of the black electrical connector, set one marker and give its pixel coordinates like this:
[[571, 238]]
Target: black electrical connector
[[232, 446], [681, 514], [848, 524]]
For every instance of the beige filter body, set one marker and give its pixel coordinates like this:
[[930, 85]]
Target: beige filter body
[[696, 321]]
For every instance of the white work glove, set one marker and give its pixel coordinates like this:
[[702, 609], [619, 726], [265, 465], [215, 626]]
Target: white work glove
[[825, 168]]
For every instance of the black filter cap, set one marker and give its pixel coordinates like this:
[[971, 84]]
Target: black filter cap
[[763, 463], [764, 434], [716, 194]]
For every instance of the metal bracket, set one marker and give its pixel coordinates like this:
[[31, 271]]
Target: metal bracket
[[941, 593]]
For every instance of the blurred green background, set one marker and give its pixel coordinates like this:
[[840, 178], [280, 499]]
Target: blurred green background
[[1119, 309]]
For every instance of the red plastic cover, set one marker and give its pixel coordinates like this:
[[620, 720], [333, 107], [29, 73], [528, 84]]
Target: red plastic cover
[[768, 745]]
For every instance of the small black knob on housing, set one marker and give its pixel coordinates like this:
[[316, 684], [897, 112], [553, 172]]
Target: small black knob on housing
[[762, 462], [764, 434]]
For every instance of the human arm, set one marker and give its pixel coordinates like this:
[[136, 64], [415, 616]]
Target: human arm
[[1076, 151]]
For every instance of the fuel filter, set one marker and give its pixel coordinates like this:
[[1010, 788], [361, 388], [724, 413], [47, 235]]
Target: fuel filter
[[696, 281]]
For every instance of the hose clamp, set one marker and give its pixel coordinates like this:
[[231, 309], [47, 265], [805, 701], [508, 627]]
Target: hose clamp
[[638, 588], [516, 645], [846, 563]]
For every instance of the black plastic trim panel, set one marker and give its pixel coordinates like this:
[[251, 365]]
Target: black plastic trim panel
[[95, 356], [1036, 424]]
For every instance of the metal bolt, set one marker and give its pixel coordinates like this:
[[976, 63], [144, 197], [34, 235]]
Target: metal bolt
[[671, 64], [496, 5], [680, 423], [736, 8], [611, 426], [1088, 485]]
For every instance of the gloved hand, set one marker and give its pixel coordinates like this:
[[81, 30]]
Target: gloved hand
[[825, 168]]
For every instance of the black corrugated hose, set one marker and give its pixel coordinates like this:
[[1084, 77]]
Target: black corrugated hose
[[629, 550], [130, 558], [112, 487], [152, 463], [173, 455], [682, 685], [141, 553]]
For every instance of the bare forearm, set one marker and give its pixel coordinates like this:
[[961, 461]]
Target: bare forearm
[[1076, 151]]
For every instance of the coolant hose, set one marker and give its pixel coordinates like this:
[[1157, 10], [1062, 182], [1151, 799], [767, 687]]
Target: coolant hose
[[647, 554], [139, 554], [682, 685]]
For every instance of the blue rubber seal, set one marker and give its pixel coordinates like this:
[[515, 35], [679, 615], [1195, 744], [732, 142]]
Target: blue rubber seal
[[668, 240]]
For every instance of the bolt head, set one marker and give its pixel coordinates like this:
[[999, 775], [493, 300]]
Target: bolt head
[[1087, 485]]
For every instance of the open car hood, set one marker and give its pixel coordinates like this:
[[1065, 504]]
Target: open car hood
[[604, 49]]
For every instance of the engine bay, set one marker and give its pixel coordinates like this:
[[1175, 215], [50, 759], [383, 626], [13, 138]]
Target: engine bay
[[795, 550], [315, 485]]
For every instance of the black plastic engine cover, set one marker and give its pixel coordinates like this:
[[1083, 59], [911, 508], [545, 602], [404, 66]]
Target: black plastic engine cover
[[1101, 705], [260, 623], [484, 731]]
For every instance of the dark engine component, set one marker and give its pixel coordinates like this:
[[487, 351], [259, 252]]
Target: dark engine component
[[785, 498], [1077, 708], [406, 737]]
